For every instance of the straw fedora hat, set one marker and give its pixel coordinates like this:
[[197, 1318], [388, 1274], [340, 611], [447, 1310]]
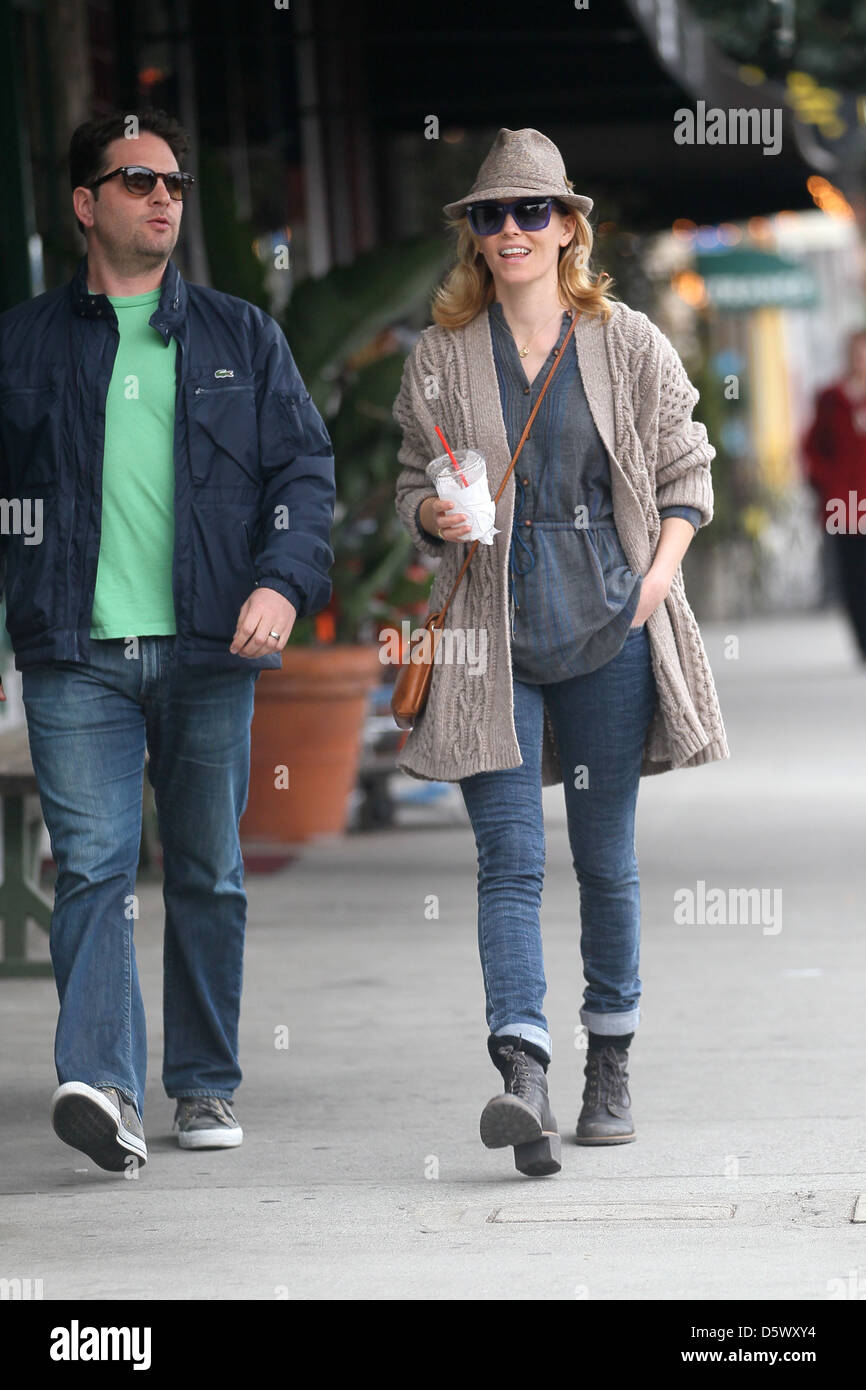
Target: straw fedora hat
[[521, 164]]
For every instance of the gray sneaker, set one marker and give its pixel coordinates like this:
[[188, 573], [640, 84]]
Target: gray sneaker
[[99, 1122], [206, 1122]]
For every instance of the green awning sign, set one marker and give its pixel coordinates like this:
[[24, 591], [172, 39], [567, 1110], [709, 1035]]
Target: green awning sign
[[739, 280]]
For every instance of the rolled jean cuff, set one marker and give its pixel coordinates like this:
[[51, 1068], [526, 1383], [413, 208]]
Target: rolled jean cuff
[[613, 1025], [201, 1095], [530, 1032], [121, 1087]]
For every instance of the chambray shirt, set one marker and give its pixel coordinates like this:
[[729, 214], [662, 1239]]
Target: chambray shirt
[[573, 596]]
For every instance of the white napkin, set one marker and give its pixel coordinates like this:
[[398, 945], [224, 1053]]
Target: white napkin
[[475, 501]]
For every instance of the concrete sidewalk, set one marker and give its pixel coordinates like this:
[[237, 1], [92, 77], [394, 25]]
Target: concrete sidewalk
[[362, 1174]]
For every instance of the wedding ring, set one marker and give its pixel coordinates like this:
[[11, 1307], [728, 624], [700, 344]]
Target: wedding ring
[[274, 634], [441, 537]]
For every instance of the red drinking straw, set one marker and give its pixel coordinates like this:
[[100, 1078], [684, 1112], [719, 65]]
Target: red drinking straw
[[451, 456]]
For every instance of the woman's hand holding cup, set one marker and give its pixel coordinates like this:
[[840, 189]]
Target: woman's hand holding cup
[[440, 515]]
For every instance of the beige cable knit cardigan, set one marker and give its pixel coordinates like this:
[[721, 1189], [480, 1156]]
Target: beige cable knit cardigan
[[641, 400]]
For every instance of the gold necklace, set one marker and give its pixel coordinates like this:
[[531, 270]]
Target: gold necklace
[[523, 351]]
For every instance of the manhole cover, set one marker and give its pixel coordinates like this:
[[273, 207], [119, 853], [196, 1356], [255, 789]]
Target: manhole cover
[[610, 1211]]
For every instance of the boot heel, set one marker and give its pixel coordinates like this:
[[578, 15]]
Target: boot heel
[[540, 1158]]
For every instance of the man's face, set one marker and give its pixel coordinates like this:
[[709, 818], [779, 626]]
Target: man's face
[[135, 233]]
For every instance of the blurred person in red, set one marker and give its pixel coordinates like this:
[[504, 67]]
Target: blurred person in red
[[835, 451]]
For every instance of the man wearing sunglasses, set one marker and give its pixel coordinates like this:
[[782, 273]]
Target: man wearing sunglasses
[[186, 487]]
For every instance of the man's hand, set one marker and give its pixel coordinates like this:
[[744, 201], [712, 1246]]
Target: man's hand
[[2, 692], [265, 611]]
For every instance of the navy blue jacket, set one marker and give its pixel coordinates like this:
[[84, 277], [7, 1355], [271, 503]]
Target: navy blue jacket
[[254, 469]]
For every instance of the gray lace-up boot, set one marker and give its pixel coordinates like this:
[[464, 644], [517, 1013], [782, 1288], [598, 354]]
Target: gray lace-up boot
[[606, 1114], [521, 1117]]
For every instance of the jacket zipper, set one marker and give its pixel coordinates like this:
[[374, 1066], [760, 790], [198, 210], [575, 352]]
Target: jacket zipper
[[250, 554], [213, 390], [90, 596], [178, 398]]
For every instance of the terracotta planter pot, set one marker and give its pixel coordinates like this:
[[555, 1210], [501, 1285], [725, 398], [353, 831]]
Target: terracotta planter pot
[[306, 732]]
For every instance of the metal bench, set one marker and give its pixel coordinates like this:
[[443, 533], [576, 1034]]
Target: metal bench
[[20, 895]]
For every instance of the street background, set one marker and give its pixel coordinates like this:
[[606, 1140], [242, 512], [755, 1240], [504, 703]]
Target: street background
[[325, 139]]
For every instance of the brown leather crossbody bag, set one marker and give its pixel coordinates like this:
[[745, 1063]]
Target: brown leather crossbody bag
[[412, 685]]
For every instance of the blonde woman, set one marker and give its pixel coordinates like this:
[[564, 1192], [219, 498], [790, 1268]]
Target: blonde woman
[[594, 673]]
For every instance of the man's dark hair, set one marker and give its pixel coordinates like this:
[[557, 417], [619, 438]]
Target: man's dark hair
[[90, 141]]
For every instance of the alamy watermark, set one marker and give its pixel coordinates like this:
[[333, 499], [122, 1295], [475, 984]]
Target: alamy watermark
[[449, 646], [846, 517], [21, 1290], [738, 126], [77, 1343], [702, 906], [22, 517]]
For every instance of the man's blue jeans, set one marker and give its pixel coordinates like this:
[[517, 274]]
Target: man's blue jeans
[[600, 721], [89, 725]]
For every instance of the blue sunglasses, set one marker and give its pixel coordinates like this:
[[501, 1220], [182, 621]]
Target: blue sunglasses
[[530, 214]]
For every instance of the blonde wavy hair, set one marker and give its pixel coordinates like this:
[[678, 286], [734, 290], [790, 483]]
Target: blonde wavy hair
[[468, 288]]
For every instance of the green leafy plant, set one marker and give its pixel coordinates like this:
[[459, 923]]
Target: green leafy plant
[[234, 266]]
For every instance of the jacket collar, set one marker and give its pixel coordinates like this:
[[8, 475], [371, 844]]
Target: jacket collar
[[170, 311]]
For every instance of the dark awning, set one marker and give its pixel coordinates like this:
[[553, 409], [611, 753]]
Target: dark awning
[[604, 82]]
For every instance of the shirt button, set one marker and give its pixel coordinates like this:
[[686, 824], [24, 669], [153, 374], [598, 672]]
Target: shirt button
[[525, 481], [527, 523], [526, 390]]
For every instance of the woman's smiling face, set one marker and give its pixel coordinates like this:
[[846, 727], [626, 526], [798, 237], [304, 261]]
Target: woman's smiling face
[[515, 257]]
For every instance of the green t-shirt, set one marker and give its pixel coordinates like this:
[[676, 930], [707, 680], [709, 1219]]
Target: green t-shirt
[[133, 595]]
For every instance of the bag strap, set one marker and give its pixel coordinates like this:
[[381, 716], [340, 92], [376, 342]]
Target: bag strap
[[475, 544]]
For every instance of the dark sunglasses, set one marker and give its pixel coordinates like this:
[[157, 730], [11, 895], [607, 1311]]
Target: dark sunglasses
[[530, 214], [140, 181]]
